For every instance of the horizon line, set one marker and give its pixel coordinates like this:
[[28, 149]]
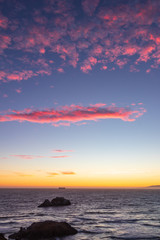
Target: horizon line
[[77, 187]]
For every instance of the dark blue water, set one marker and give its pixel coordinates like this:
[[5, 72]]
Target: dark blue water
[[96, 214]]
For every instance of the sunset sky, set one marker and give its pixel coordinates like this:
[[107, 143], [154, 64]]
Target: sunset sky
[[79, 93]]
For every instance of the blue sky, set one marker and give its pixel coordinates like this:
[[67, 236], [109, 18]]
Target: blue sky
[[79, 93]]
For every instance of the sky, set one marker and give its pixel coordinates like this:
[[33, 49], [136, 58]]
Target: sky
[[79, 93]]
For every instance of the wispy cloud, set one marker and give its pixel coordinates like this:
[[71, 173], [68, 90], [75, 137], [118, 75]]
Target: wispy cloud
[[27, 157], [61, 150], [5, 41], [62, 156], [5, 95], [18, 90], [53, 174], [3, 21], [19, 76], [30, 157], [74, 114], [68, 173]]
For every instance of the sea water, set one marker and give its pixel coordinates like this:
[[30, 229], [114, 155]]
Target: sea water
[[96, 213]]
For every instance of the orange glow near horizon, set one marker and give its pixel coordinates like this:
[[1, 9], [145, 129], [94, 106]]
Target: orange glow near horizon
[[75, 181]]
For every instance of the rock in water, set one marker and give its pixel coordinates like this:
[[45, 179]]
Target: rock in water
[[60, 201], [56, 202], [2, 237], [42, 230], [46, 203]]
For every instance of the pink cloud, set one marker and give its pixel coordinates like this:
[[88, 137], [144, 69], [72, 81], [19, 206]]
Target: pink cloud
[[145, 53], [148, 70], [72, 114], [43, 72], [65, 124], [63, 156], [88, 63], [155, 39], [86, 68], [31, 157], [42, 50], [5, 41], [27, 157], [38, 36], [92, 60], [18, 90], [98, 105], [121, 62], [2, 75], [68, 52], [62, 150], [41, 62], [19, 76], [60, 70], [5, 95], [130, 50], [134, 69], [16, 76], [96, 51], [3, 22], [104, 67], [77, 40]]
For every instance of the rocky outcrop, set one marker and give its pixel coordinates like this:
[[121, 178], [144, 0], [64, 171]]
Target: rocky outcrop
[[46, 203], [2, 237], [44, 230], [56, 202], [60, 201]]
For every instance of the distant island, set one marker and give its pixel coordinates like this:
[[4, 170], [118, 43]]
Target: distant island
[[154, 186]]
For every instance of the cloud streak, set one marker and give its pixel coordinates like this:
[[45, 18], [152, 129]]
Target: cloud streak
[[53, 174], [74, 114], [61, 151], [30, 157], [27, 157], [68, 173], [63, 156], [19, 76]]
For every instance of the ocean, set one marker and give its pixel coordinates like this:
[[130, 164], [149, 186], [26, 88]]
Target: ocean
[[96, 213]]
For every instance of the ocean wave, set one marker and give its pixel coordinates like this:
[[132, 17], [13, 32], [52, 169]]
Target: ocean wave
[[95, 214]]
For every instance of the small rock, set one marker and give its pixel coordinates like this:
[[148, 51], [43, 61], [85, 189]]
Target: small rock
[[42, 230], [56, 202], [60, 201], [46, 203], [2, 237]]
